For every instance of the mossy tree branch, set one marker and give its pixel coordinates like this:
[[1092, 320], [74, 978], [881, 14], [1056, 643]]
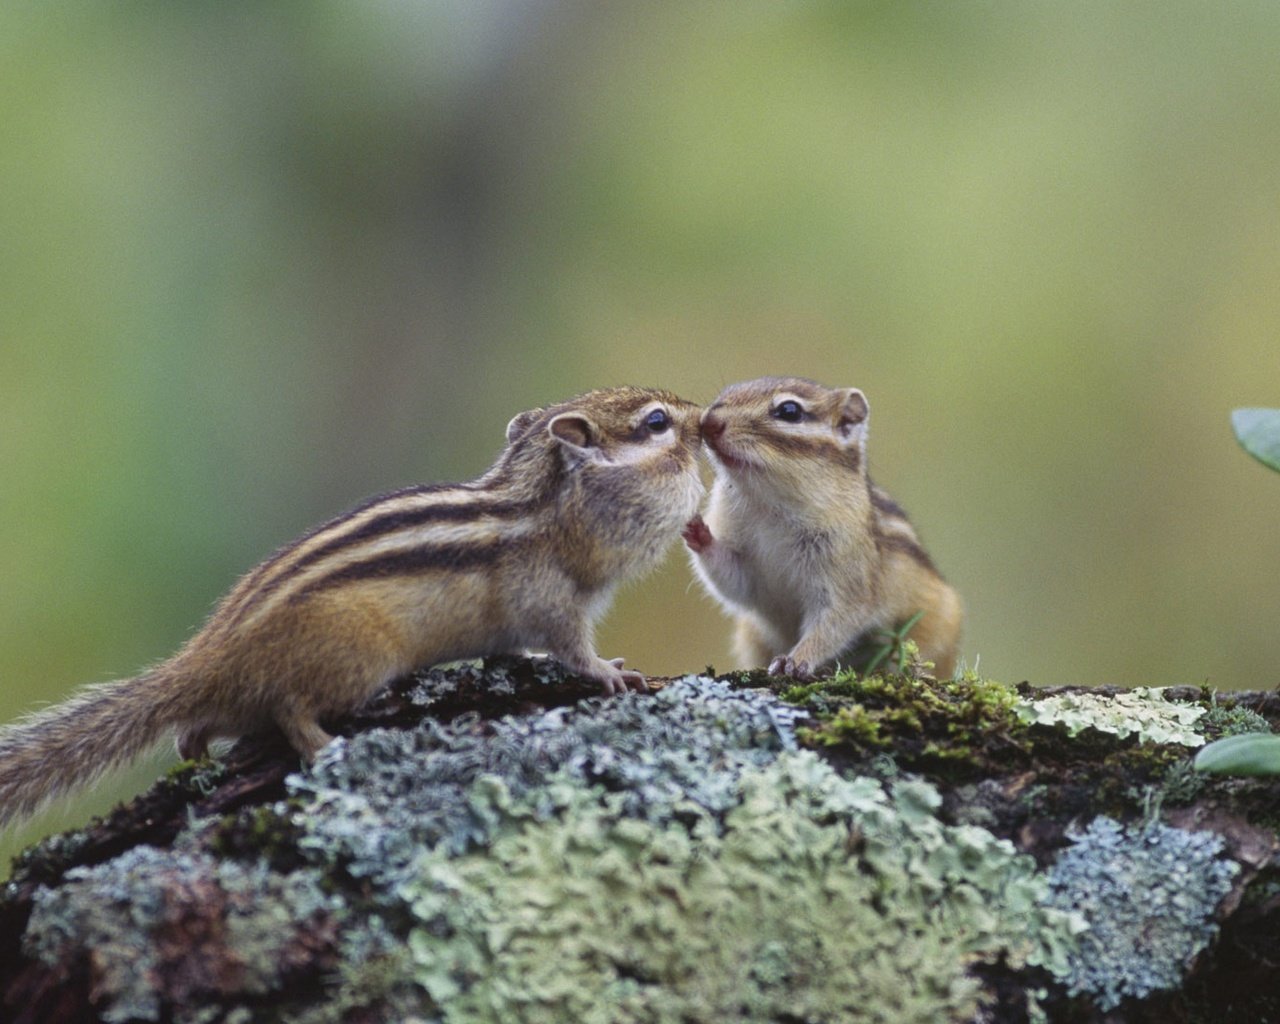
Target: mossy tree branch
[[499, 844]]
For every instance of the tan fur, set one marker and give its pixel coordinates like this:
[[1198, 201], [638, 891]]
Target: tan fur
[[585, 495], [799, 545]]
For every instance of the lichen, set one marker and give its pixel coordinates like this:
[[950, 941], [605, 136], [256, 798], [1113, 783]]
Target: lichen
[[1236, 720], [373, 982], [374, 801], [1180, 784], [818, 898], [495, 676], [171, 928], [1148, 895], [1142, 712], [646, 858]]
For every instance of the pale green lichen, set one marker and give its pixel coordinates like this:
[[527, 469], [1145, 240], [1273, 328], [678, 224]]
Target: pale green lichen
[[130, 915], [1148, 895], [1234, 721], [374, 981], [647, 858], [817, 899], [1141, 712], [373, 802]]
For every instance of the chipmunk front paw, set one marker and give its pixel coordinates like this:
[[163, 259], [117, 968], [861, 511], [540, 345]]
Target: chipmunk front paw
[[621, 680], [697, 535], [785, 665]]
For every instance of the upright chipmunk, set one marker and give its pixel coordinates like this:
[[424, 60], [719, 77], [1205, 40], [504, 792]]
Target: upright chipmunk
[[586, 494], [799, 544]]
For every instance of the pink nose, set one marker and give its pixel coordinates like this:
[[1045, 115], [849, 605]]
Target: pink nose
[[711, 427]]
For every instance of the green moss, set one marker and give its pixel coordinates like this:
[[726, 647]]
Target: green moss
[[820, 899], [850, 723], [816, 694], [931, 723], [269, 833], [191, 781], [665, 857]]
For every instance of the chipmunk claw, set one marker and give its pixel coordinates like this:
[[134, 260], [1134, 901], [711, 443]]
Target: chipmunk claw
[[785, 665], [626, 679]]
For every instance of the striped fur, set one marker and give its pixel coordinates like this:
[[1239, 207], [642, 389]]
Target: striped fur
[[585, 495], [893, 531], [424, 527], [798, 544]]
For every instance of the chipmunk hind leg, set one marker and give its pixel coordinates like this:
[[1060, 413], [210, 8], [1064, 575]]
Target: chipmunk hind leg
[[753, 644], [304, 734], [937, 634], [193, 742], [354, 650], [335, 689]]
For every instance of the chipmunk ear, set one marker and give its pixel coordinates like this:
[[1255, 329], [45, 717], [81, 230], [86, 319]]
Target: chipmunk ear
[[521, 422], [575, 431], [852, 416]]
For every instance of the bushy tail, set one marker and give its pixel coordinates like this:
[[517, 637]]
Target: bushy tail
[[69, 745]]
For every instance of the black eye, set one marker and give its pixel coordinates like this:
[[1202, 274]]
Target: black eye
[[657, 421], [788, 411]]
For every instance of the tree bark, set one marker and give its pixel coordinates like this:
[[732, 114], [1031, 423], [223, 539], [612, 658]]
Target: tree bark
[[250, 889]]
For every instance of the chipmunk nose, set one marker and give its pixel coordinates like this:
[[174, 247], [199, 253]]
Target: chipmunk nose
[[712, 427]]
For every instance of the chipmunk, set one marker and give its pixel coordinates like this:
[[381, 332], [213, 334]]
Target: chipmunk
[[585, 494], [799, 544]]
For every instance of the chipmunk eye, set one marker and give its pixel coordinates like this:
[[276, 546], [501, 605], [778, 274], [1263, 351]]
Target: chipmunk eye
[[657, 421], [788, 411]]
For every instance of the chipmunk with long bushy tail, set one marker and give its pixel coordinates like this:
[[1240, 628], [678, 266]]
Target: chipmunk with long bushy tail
[[585, 495], [797, 542]]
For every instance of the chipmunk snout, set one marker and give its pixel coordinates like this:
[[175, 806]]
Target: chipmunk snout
[[711, 426]]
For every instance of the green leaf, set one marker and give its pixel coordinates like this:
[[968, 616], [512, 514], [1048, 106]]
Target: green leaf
[[1250, 753], [1258, 431]]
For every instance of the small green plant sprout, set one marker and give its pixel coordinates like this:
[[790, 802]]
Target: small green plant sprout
[[892, 645], [1258, 431], [1249, 753]]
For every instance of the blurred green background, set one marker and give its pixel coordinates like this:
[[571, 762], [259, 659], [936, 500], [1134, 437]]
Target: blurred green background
[[259, 261]]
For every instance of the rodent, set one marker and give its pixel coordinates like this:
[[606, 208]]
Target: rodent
[[585, 494], [799, 544]]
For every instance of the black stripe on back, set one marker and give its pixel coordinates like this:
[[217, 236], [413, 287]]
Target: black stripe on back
[[906, 546], [254, 590], [883, 503], [413, 562], [403, 519], [364, 506], [274, 559]]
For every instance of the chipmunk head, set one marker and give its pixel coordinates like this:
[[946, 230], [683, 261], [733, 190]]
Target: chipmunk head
[[784, 428], [640, 427], [625, 462]]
